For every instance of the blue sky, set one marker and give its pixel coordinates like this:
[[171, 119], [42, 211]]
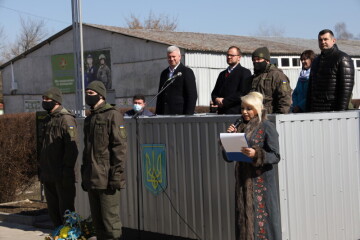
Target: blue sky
[[301, 19]]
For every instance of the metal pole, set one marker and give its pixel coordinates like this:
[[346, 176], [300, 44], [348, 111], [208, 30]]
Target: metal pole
[[82, 91], [78, 58]]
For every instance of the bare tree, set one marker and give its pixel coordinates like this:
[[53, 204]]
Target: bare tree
[[341, 32], [2, 45], [161, 22], [270, 31], [31, 33], [134, 22]]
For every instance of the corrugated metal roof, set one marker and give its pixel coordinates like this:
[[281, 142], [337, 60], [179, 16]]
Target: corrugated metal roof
[[220, 43], [212, 42]]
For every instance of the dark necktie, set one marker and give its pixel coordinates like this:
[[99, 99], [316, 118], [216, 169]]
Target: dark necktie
[[228, 72]]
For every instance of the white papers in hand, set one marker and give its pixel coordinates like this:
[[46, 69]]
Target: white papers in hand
[[233, 142]]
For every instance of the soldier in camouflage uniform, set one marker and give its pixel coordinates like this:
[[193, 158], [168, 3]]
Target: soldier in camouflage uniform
[[58, 156], [271, 82], [103, 165], [104, 73]]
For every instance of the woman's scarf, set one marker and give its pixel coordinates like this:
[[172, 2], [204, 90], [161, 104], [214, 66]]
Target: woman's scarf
[[304, 75]]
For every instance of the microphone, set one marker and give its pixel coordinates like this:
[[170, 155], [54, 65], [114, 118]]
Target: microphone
[[179, 74], [237, 122], [170, 80]]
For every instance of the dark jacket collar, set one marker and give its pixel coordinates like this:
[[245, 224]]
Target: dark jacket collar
[[60, 111], [327, 52], [56, 112], [104, 106]]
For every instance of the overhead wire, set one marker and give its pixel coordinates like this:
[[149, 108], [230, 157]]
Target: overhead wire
[[33, 15]]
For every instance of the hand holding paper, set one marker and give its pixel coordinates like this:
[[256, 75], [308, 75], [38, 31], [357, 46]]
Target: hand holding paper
[[233, 143]]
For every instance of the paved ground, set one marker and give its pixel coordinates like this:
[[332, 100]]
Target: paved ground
[[15, 231]]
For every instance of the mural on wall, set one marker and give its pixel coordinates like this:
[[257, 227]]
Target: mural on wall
[[97, 67], [63, 72]]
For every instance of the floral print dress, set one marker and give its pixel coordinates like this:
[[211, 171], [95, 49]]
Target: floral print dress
[[257, 199]]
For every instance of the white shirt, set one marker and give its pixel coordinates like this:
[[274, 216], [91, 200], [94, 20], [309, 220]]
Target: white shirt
[[230, 69], [171, 71]]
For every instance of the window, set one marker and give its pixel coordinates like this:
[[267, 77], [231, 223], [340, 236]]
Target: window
[[357, 63], [296, 62], [285, 62], [274, 61]]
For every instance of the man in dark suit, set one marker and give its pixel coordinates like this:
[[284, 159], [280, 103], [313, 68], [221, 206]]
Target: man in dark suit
[[181, 95], [232, 83]]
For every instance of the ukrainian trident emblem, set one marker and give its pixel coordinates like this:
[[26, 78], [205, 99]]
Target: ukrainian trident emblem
[[154, 167]]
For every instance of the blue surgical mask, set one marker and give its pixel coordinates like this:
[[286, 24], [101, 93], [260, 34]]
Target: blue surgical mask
[[137, 107]]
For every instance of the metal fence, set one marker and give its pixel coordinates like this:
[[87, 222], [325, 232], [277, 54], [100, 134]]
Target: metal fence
[[318, 177]]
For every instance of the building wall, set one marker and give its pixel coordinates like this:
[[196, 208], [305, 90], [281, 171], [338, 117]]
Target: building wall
[[136, 65], [207, 67], [356, 90], [33, 75]]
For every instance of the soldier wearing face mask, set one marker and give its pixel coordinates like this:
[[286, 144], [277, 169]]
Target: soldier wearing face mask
[[139, 107], [103, 168], [271, 82], [58, 156]]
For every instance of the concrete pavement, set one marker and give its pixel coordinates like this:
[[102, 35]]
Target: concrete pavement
[[15, 231]]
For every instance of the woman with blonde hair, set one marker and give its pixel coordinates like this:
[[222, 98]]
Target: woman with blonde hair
[[257, 199]]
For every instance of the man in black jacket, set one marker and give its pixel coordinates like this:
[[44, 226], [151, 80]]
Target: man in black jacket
[[180, 97], [58, 156], [232, 84], [331, 78]]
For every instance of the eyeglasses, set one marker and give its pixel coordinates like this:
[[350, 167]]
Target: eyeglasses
[[231, 55]]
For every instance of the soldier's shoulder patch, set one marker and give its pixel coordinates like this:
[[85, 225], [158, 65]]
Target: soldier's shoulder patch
[[72, 131], [285, 86], [122, 131]]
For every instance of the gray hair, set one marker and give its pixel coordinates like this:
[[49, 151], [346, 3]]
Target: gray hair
[[173, 49]]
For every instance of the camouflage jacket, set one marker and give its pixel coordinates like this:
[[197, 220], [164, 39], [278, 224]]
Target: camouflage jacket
[[59, 147], [105, 144], [275, 86]]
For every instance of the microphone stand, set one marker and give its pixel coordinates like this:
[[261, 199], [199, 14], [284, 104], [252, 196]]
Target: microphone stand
[[137, 114], [138, 157]]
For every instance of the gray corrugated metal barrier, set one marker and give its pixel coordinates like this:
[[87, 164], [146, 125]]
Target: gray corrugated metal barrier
[[200, 184], [319, 175]]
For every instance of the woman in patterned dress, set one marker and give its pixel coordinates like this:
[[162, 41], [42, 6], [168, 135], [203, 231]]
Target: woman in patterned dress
[[257, 198]]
